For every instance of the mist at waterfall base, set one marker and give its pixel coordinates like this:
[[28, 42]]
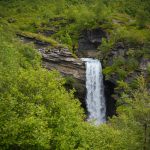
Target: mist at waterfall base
[[95, 99]]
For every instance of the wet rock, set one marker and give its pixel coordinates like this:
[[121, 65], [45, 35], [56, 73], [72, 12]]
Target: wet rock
[[91, 39], [110, 101]]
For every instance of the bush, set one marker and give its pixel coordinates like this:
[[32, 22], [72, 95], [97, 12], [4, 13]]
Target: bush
[[134, 114], [132, 64], [36, 112], [133, 35], [106, 46]]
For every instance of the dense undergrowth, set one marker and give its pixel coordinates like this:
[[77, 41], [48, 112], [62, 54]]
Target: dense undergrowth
[[36, 112]]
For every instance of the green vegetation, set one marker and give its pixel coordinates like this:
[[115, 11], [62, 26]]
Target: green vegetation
[[41, 38], [36, 111]]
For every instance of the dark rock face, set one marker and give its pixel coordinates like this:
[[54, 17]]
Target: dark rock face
[[121, 50], [47, 32], [88, 44], [91, 39], [110, 101]]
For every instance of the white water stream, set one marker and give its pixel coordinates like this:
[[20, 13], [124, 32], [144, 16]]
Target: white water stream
[[95, 99]]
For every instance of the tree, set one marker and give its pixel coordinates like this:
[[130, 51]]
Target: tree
[[36, 112], [134, 114]]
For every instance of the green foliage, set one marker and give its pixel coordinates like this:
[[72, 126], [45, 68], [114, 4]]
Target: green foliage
[[106, 46], [122, 74], [133, 35], [135, 114], [66, 39], [108, 70], [132, 64], [88, 16], [36, 111], [15, 128], [40, 38], [148, 68], [69, 82], [123, 85], [119, 61], [118, 67]]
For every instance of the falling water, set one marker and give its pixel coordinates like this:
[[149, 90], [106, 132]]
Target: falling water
[[95, 91]]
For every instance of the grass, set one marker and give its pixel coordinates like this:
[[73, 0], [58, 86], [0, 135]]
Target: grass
[[41, 38]]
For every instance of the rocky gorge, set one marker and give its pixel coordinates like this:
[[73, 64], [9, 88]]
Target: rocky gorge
[[73, 68], [74, 74]]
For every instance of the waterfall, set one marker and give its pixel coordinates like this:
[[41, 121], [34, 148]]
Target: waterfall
[[95, 99]]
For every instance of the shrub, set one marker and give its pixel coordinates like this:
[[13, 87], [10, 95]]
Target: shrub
[[133, 35], [106, 46], [132, 64]]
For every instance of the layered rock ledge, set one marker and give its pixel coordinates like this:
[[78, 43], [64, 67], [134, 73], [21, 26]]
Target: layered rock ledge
[[63, 61]]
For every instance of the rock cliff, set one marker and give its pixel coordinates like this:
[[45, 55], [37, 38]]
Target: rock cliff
[[70, 67], [62, 60]]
